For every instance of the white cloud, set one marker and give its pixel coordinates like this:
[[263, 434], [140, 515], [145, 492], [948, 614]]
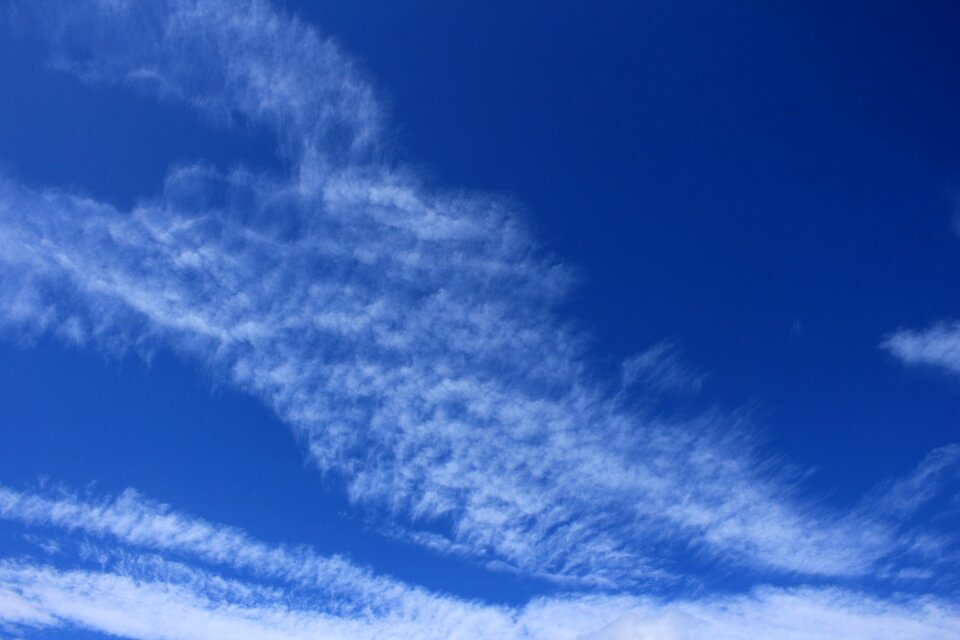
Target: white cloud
[[407, 334], [196, 605], [293, 593], [133, 520], [905, 496], [938, 346]]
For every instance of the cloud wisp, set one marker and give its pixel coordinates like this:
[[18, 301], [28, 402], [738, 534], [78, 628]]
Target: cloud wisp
[[661, 369], [407, 334], [132, 520], [148, 599], [938, 346], [287, 592]]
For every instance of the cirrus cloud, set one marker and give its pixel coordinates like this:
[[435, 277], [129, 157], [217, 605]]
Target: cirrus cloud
[[408, 334]]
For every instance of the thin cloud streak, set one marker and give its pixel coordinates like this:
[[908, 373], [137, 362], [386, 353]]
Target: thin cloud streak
[[202, 606], [134, 594], [408, 334], [905, 496], [133, 520], [661, 369]]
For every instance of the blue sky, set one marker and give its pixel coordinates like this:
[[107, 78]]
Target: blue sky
[[523, 320]]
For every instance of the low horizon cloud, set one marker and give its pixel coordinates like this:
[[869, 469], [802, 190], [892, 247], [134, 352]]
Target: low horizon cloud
[[143, 570]]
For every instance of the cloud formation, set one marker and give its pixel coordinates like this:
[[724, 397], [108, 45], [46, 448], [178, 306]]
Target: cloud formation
[[938, 346], [171, 602], [285, 592], [407, 334]]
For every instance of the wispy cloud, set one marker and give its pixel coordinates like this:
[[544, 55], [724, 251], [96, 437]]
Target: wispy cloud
[[939, 346], [133, 520], [660, 368], [184, 605], [408, 334], [923, 506], [907, 495], [294, 593]]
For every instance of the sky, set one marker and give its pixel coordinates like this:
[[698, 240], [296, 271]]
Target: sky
[[544, 320]]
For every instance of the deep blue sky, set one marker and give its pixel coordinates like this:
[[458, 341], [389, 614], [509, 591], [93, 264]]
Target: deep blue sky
[[770, 186], [720, 174]]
